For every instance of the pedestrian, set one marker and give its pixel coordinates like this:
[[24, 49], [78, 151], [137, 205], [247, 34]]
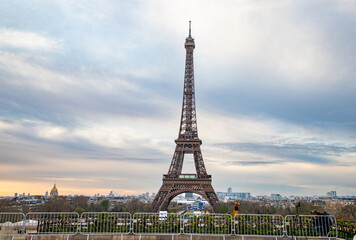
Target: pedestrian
[[322, 222]]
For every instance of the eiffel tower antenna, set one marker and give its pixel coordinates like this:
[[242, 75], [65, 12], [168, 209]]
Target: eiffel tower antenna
[[175, 182], [190, 29]]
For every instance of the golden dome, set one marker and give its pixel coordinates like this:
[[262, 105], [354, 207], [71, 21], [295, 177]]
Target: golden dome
[[54, 191]]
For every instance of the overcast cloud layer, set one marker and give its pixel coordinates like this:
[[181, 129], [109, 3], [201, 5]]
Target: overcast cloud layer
[[90, 94]]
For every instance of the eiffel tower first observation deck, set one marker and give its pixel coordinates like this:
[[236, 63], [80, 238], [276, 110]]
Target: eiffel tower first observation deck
[[175, 182]]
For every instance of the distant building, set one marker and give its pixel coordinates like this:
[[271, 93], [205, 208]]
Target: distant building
[[226, 196], [196, 206], [276, 196], [54, 191], [199, 205], [15, 196], [46, 195], [188, 195], [229, 190], [331, 194]]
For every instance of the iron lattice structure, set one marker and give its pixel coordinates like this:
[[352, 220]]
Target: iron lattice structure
[[174, 182]]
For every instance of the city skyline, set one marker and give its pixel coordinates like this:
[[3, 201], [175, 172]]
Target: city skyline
[[229, 190], [90, 94]]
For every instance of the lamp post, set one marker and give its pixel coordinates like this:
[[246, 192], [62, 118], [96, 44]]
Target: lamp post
[[297, 208]]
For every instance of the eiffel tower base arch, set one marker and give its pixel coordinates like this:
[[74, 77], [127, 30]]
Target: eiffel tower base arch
[[173, 187]]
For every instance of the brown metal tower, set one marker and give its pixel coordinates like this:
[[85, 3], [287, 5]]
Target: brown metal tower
[[174, 182]]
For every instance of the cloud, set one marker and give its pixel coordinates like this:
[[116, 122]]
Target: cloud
[[347, 6], [93, 12], [28, 70], [28, 40], [123, 142], [306, 148], [34, 89], [277, 38]]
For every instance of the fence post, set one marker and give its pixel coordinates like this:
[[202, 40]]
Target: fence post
[[181, 220], [232, 225]]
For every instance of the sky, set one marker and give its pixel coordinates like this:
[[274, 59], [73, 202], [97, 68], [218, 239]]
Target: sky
[[91, 92]]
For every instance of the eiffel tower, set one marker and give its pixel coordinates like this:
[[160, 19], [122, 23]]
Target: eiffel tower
[[174, 182]]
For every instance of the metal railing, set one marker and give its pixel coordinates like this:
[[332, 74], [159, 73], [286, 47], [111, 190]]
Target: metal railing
[[51, 223], [155, 223], [311, 226], [12, 224], [346, 230], [119, 223], [207, 224], [259, 225], [112, 223]]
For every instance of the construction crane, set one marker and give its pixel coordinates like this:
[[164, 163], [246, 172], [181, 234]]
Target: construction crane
[[236, 208]]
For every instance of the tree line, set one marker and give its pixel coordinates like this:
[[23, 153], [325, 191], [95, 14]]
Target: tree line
[[82, 204]]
